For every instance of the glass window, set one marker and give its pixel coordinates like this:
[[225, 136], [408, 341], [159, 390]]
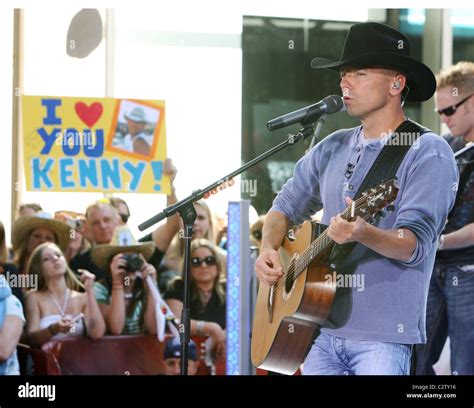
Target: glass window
[[462, 21], [278, 78]]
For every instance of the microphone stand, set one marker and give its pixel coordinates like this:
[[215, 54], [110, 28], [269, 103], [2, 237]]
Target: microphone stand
[[319, 126], [188, 214]]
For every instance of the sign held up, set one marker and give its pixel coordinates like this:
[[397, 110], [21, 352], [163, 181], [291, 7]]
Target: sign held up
[[94, 145]]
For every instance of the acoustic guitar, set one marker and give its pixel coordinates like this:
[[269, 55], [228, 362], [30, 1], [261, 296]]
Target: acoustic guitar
[[288, 314]]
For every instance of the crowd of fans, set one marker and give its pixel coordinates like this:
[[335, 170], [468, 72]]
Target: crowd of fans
[[72, 274]]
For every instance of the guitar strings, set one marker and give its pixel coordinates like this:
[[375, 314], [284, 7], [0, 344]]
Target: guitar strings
[[317, 245], [320, 242]]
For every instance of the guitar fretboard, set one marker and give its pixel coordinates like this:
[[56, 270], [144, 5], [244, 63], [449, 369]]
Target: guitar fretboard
[[364, 207]]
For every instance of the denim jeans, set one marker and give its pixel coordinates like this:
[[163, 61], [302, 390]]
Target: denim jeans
[[450, 312], [331, 355]]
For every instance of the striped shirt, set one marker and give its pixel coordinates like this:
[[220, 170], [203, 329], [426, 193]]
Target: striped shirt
[[133, 322]]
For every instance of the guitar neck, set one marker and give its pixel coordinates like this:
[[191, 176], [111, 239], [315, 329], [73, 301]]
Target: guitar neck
[[319, 246], [366, 206]]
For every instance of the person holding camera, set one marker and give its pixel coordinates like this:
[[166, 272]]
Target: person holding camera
[[124, 299], [102, 218]]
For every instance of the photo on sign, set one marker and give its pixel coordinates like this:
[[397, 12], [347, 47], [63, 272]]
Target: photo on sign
[[135, 129]]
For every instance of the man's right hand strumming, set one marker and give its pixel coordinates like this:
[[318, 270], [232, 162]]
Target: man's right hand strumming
[[268, 267]]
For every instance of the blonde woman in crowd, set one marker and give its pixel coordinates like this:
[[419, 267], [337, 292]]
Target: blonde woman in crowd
[[57, 309], [208, 299], [203, 228]]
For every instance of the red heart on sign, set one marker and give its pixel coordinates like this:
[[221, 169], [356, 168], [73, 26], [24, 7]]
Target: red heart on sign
[[89, 114]]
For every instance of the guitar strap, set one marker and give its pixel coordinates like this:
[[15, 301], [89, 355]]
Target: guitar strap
[[384, 168]]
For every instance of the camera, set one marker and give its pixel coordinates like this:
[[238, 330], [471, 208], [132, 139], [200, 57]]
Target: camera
[[134, 262]]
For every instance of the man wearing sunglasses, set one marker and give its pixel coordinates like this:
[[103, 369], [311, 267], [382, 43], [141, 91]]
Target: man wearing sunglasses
[[450, 310], [122, 208]]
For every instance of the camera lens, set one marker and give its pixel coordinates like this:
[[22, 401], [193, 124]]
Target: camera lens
[[134, 262]]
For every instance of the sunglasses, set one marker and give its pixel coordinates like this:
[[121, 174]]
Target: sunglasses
[[451, 110], [209, 260], [124, 217], [74, 220]]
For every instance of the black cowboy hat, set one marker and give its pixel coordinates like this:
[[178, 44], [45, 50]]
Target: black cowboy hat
[[378, 45]]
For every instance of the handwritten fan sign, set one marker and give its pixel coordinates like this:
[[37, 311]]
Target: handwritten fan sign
[[94, 145]]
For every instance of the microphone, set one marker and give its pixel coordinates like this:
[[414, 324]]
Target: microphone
[[309, 114]]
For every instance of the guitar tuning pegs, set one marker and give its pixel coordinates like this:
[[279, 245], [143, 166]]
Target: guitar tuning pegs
[[390, 208]]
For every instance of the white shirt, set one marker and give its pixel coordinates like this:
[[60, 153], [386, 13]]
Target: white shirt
[[129, 139]]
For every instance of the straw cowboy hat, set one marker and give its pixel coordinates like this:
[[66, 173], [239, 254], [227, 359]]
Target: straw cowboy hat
[[137, 115], [23, 226], [378, 45], [122, 241]]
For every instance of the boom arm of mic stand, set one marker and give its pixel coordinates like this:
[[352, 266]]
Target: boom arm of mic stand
[[188, 214], [307, 131], [171, 210], [317, 131]]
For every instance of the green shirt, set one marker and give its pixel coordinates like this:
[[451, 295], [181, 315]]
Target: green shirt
[[133, 322]]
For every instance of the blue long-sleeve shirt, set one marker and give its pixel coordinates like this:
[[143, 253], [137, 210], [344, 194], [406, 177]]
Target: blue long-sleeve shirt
[[386, 300]]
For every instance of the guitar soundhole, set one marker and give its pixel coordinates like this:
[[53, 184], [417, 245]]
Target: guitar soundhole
[[290, 278]]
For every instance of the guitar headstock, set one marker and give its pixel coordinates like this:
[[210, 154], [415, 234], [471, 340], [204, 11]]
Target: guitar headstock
[[373, 200]]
